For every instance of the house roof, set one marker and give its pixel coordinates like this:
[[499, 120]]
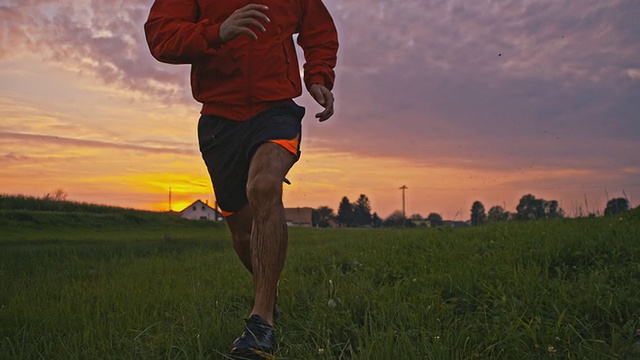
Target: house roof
[[197, 202]]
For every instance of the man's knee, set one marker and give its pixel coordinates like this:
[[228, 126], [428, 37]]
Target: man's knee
[[264, 190]]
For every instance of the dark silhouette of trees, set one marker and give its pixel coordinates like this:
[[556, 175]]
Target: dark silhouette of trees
[[396, 219], [362, 211], [58, 195], [345, 213], [435, 219], [376, 221], [530, 208], [322, 215], [616, 206], [497, 214], [478, 215], [416, 217], [553, 210], [355, 214]]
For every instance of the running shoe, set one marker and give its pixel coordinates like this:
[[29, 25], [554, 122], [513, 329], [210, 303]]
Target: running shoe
[[257, 342]]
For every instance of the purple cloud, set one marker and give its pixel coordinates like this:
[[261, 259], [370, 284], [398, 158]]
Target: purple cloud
[[500, 84], [496, 85], [99, 37]]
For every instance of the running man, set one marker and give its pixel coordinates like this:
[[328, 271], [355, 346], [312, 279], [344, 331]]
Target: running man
[[244, 71]]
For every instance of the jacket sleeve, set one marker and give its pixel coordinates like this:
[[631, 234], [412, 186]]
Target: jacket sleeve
[[176, 36], [318, 38]]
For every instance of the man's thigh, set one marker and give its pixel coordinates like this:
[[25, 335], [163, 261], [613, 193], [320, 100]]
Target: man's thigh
[[270, 162], [275, 147], [235, 152], [281, 125], [223, 145]]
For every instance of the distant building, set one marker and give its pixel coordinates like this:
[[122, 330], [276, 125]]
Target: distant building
[[299, 216], [333, 223], [201, 211], [453, 223], [422, 223]]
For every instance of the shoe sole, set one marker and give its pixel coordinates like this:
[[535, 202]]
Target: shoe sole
[[250, 354]]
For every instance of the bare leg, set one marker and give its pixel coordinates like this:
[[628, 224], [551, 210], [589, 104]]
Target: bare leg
[[240, 224], [269, 236]]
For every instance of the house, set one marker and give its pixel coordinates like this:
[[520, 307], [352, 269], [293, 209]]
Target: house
[[201, 211], [299, 216]]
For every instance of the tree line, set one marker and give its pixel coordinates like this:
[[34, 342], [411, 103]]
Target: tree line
[[358, 213], [349, 214], [56, 201]]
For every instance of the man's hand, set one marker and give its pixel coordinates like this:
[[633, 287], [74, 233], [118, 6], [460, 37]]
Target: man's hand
[[238, 23], [324, 97]]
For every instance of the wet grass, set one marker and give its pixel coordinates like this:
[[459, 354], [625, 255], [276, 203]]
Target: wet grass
[[108, 287]]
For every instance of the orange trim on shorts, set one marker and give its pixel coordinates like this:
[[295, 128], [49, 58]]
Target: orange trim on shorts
[[289, 145], [226, 213]]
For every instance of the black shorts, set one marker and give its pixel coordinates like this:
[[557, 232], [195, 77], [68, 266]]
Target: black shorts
[[227, 147]]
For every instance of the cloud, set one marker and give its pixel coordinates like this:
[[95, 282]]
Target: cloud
[[445, 69], [151, 147], [13, 157], [517, 86], [102, 38], [633, 73], [519, 81]]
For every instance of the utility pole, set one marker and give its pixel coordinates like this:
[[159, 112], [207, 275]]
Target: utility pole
[[170, 210], [403, 188]]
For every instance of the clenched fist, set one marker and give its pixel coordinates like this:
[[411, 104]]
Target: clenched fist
[[238, 23]]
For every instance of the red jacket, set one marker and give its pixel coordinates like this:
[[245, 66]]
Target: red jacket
[[243, 77]]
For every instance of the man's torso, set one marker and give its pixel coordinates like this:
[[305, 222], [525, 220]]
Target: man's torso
[[245, 76]]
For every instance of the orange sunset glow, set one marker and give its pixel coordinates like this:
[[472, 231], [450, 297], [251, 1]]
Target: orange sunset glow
[[468, 103]]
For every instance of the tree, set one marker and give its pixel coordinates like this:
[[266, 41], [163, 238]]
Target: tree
[[362, 211], [322, 215], [530, 208], [416, 217], [497, 214], [478, 215], [376, 221], [396, 219], [553, 210], [58, 195], [345, 213], [616, 206], [435, 219]]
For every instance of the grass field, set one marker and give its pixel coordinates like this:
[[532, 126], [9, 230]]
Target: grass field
[[146, 286]]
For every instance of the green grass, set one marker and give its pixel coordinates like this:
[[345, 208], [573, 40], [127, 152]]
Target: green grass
[[149, 286]]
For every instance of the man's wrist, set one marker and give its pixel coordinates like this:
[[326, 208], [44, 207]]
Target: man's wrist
[[212, 35], [316, 79]]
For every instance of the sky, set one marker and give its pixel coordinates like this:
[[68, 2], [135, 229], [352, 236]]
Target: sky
[[458, 100]]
